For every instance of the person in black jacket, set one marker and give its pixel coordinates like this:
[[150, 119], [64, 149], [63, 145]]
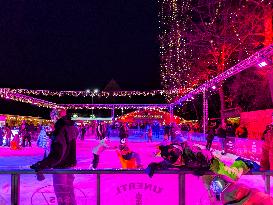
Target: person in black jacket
[[221, 133], [62, 155], [25, 133], [123, 131], [210, 137], [101, 130]]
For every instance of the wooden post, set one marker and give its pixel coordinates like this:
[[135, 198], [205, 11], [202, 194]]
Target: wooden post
[[182, 189], [15, 189]]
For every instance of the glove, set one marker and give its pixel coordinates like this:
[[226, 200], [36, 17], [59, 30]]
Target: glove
[[37, 168], [150, 170], [253, 166]]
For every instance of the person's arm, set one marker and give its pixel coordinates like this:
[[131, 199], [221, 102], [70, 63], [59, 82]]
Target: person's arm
[[99, 129], [152, 167], [237, 133], [109, 146]]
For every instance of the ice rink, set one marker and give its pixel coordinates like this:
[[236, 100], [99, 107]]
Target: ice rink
[[121, 189]]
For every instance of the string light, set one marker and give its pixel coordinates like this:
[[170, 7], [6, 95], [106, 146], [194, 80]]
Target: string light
[[28, 99], [252, 60], [88, 93], [198, 34], [174, 52], [115, 106]]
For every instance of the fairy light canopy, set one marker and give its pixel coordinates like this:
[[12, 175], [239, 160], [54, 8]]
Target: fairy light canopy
[[254, 60], [23, 95]]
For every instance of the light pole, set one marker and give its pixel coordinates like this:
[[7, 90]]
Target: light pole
[[95, 91], [92, 103]]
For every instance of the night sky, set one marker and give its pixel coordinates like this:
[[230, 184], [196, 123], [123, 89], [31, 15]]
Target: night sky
[[75, 45]]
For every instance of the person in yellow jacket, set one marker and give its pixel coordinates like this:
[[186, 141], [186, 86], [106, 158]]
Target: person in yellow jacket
[[128, 158]]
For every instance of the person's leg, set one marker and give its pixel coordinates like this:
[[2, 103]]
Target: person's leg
[[265, 160], [64, 189], [95, 161], [222, 142], [70, 183], [58, 182], [270, 159], [208, 144], [29, 141], [24, 141], [138, 160]]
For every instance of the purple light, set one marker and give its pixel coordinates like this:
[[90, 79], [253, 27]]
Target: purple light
[[213, 87]]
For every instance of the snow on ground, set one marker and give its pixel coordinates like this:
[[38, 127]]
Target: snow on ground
[[115, 189]]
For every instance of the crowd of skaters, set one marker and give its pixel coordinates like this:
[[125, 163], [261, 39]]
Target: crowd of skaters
[[62, 152], [24, 134], [172, 133], [27, 132]]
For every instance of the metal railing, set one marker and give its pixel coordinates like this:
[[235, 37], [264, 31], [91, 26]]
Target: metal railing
[[15, 179]]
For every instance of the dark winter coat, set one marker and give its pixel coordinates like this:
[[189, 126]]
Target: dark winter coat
[[123, 132], [101, 131], [63, 147], [221, 132], [210, 136]]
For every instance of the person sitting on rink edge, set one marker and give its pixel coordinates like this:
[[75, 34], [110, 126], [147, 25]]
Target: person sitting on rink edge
[[223, 185]]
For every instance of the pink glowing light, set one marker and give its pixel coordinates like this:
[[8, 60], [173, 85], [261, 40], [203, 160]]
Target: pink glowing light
[[262, 64]]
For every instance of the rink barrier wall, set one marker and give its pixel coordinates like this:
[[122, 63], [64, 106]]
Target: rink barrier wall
[[15, 179]]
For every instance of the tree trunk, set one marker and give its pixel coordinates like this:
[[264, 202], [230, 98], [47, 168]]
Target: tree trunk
[[268, 32], [222, 102], [270, 79], [221, 89], [196, 111]]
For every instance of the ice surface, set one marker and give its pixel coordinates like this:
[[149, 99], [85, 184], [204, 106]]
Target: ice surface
[[115, 189]]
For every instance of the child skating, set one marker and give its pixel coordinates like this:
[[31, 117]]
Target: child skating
[[128, 158], [97, 150]]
